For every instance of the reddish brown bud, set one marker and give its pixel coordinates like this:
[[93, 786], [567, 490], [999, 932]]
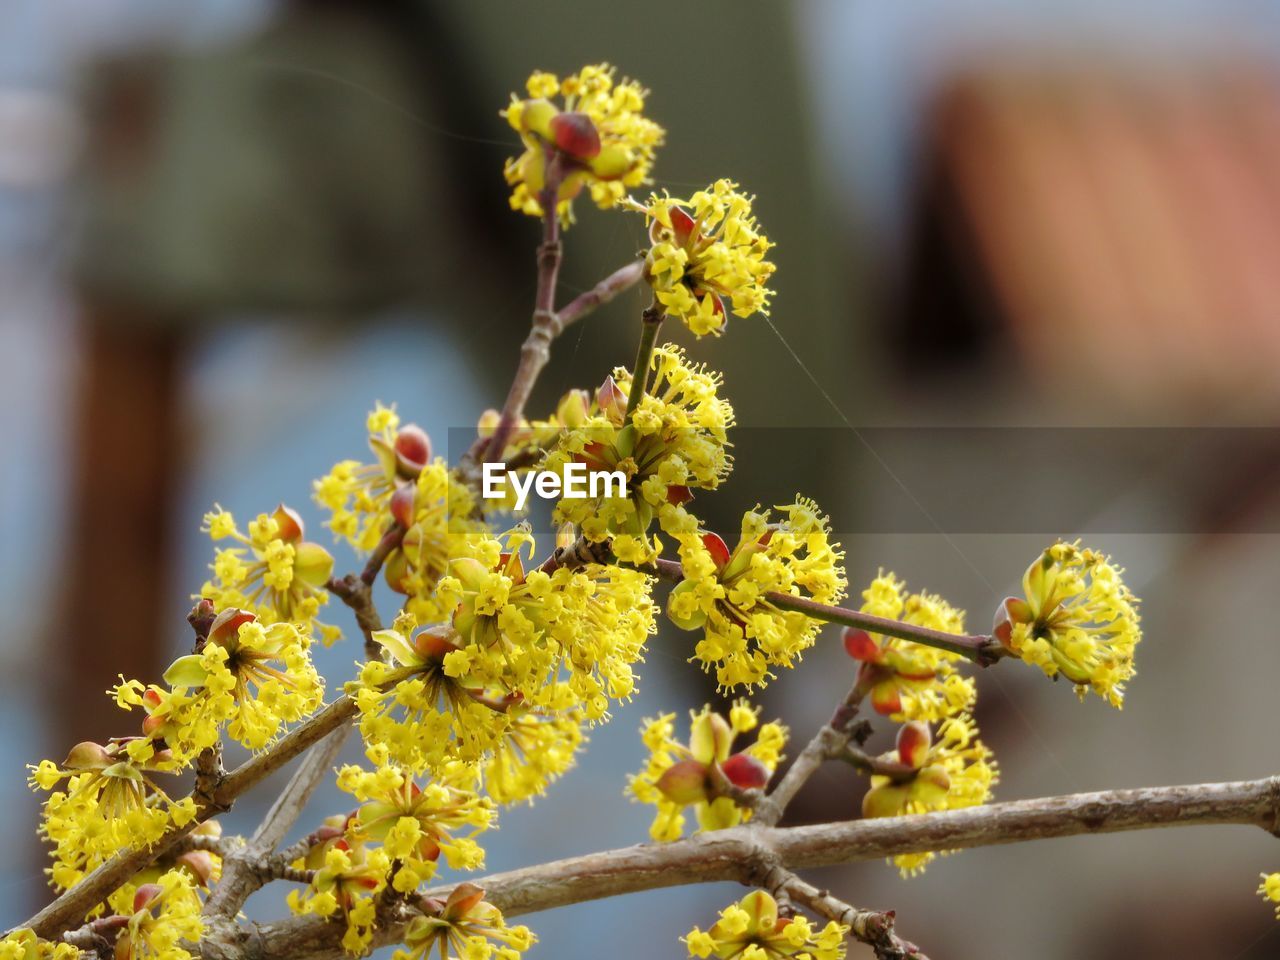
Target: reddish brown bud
[[226, 625], [402, 504], [151, 725], [145, 895], [434, 643], [461, 899], [914, 740], [860, 645], [290, 523], [718, 549], [576, 135], [1010, 611], [678, 495], [745, 771], [413, 450]]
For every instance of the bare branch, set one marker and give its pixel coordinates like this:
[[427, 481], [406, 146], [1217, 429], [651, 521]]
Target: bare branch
[[247, 868], [872, 927], [733, 854]]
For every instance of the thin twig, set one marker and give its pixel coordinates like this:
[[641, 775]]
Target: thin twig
[[536, 350], [650, 325], [872, 927]]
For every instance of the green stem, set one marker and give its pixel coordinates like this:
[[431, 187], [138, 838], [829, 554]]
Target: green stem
[[650, 324]]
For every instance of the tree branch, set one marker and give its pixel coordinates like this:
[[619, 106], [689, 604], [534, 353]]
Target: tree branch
[[872, 927], [69, 909], [732, 854], [247, 868]]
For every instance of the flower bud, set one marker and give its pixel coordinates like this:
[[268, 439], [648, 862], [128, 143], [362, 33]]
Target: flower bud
[[574, 408], [145, 895], [535, 116], [88, 755], [199, 863], [396, 572], [226, 625], [460, 901], [413, 450], [860, 645], [612, 162], [745, 771], [611, 400], [1010, 611], [709, 737], [684, 782], [718, 549], [290, 523], [152, 724], [312, 563], [914, 740], [402, 503], [434, 643], [678, 495], [575, 134], [886, 800], [932, 784]]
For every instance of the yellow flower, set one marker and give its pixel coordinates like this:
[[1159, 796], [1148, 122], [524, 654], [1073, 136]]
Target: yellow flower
[[23, 944], [1078, 619], [416, 824], [360, 497], [676, 442], [909, 681], [536, 749], [598, 138], [924, 774], [464, 926], [413, 712], [752, 930], [275, 572], [724, 592], [347, 882], [110, 802], [679, 775], [707, 257], [165, 914], [1269, 889]]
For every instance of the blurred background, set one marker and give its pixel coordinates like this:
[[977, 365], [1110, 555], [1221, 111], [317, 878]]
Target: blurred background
[[1028, 287]]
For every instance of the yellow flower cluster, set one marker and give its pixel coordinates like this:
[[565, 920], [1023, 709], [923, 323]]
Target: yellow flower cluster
[[276, 574], [417, 824], [1269, 889], [679, 775], [707, 250], [464, 926], [359, 496], [536, 750], [347, 882], [166, 914], [23, 944], [724, 592], [598, 138], [751, 929], [110, 802], [925, 773], [254, 678], [1077, 619], [526, 656], [676, 441], [906, 680]]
